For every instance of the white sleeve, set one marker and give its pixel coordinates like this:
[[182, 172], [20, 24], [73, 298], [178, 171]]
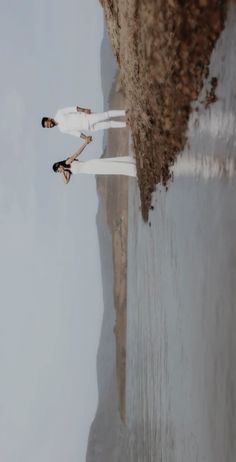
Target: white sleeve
[[67, 110], [75, 133], [70, 132]]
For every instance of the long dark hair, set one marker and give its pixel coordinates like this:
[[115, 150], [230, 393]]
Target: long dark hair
[[43, 121], [61, 163]]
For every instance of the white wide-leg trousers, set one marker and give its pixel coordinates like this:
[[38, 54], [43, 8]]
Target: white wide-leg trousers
[[101, 120]]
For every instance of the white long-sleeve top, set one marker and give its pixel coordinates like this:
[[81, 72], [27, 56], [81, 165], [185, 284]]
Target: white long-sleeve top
[[70, 121]]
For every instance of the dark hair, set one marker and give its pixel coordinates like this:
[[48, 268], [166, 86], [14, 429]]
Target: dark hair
[[43, 121], [61, 163]]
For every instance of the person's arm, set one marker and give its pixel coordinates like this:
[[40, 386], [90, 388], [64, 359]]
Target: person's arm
[[66, 176], [83, 109], [77, 153], [86, 138]]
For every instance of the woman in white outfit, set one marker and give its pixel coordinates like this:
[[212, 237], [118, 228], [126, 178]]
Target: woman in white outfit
[[106, 166]]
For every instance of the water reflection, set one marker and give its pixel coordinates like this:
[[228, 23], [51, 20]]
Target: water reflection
[[206, 167]]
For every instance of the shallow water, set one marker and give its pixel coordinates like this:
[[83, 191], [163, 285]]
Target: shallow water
[[181, 342]]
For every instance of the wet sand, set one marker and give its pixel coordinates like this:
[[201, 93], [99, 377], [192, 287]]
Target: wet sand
[[113, 191], [163, 49]]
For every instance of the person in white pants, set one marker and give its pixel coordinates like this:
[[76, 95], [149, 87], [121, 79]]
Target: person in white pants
[[75, 120], [121, 165]]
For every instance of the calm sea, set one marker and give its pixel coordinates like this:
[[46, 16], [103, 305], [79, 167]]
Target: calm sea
[[181, 340]]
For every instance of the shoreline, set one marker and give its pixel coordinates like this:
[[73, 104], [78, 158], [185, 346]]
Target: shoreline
[[113, 193]]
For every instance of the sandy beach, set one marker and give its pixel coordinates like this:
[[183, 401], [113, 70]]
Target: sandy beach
[[114, 195]]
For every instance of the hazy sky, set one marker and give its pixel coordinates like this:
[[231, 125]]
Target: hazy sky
[[51, 295]]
